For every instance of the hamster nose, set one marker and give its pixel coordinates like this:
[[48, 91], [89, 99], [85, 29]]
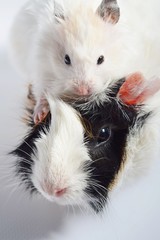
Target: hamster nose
[[82, 90]]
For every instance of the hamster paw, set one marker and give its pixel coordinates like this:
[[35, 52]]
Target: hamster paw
[[41, 110]]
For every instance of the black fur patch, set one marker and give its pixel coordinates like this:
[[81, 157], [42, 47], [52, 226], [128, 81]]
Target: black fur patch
[[106, 157], [26, 150]]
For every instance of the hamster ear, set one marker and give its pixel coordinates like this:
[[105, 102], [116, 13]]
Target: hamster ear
[[135, 90], [59, 11], [109, 11]]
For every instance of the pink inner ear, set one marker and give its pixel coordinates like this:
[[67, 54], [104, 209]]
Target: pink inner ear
[[135, 90]]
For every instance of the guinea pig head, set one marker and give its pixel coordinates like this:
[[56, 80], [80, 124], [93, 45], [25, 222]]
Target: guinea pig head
[[76, 154], [53, 157]]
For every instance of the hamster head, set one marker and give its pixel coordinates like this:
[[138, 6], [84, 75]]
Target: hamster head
[[77, 154], [81, 50]]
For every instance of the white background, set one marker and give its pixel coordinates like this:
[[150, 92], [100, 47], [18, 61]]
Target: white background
[[133, 214]]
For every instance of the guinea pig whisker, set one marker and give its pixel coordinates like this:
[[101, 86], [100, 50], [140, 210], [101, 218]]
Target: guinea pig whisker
[[89, 197], [96, 187], [99, 193], [70, 207], [67, 211], [103, 198], [26, 170], [78, 205], [95, 183], [32, 189], [4, 172], [101, 202], [3, 156], [10, 195], [11, 185], [97, 204], [28, 144], [5, 145], [26, 182], [7, 177], [27, 161], [73, 209], [107, 171], [123, 112], [96, 160], [81, 209], [23, 176], [19, 149], [5, 169]]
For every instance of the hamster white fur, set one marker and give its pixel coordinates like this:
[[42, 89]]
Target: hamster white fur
[[83, 151], [45, 31]]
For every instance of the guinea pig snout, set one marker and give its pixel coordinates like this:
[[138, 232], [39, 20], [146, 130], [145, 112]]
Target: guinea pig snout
[[51, 190]]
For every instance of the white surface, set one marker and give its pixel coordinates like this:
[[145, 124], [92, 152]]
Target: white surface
[[134, 214]]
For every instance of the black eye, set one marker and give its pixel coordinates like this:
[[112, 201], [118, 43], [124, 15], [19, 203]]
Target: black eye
[[104, 135], [67, 60], [100, 60]]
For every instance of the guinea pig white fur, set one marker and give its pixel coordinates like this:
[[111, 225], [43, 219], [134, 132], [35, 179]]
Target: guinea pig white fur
[[78, 48], [87, 149]]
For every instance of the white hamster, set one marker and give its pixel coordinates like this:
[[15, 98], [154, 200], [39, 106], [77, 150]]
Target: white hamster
[[78, 48]]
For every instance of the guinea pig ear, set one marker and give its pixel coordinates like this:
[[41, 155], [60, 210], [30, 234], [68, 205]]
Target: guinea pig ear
[[59, 11], [136, 89], [109, 11]]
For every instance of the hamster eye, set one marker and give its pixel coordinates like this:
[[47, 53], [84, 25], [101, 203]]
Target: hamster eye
[[67, 60], [104, 135], [100, 60]]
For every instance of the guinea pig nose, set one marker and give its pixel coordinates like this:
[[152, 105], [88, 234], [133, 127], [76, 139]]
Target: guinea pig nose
[[60, 192], [50, 189]]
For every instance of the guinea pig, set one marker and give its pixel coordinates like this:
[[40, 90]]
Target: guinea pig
[[68, 47], [88, 149]]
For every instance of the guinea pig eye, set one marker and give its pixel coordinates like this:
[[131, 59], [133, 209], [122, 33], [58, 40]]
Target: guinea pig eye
[[104, 135], [100, 60], [67, 60]]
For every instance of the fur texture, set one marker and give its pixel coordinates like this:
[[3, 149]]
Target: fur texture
[[45, 31], [88, 150]]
